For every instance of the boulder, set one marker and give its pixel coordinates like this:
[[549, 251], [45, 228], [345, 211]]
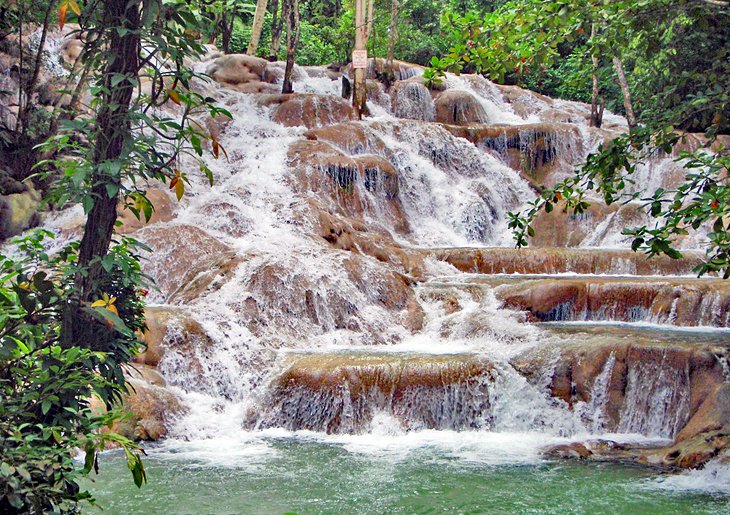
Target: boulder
[[411, 99], [242, 72], [633, 383], [712, 415], [360, 187], [568, 450], [341, 393], [458, 107], [148, 406], [164, 207], [541, 151], [18, 212], [169, 327], [185, 261], [309, 110]]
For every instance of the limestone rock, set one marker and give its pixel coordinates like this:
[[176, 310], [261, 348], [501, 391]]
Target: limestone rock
[[163, 211], [309, 110], [186, 261], [459, 107], [169, 327], [569, 450], [236, 69], [18, 212], [712, 415]]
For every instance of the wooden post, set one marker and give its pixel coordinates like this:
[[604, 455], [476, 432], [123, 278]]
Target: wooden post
[[359, 97]]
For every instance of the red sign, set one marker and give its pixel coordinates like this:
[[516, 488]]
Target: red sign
[[360, 59]]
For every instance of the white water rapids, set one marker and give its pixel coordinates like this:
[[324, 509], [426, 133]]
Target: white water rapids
[[292, 294]]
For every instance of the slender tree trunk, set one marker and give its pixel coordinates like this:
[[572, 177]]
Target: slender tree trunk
[[596, 113], [275, 33], [359, 96], [227, 22], [258, 25], [292, 38], [112, 134], [390, 74], [370, 20], [24, 112], [628, 105]]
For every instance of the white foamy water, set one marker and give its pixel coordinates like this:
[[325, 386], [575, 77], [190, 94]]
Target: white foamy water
[[290, 293]]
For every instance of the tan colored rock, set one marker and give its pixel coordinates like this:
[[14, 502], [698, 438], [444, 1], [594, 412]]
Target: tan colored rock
[[458, 107], [712, 415], [411, 99], [18, 212], [568, 450], [315, 391], [682, 302], [148, 406], [541, 151], [185, 261], [164, 208], [236, 69], [169, 327], [309, 110], [360, 187], [562, 260]]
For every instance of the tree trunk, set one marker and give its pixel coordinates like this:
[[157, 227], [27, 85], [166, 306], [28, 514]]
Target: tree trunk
[[630, 116], [359, 96], [25, 109], [113, 131], [370, 21], [390, 74], [227, 23], [258, 25], [292, 38], [276, 33], [596, 113]]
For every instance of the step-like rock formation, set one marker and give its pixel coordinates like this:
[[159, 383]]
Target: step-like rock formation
[[341, 393]]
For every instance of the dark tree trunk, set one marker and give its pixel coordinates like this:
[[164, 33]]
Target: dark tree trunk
[[276, 24], [112, 134], [596, 111], [292, 38]]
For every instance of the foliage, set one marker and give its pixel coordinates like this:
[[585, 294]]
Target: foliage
[[156, 140], [547, 45], [46, 387], [702, 200]]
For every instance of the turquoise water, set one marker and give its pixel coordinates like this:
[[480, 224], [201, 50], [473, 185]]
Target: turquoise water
[[282, 475]]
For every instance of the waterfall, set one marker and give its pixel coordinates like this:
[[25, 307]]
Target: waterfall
[[311, 274]]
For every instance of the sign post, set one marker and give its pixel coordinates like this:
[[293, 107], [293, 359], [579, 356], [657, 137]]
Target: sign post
[[360, 59]]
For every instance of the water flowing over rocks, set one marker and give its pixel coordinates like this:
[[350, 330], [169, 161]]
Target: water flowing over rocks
[[343, 273], [684, 302], [343, 393]]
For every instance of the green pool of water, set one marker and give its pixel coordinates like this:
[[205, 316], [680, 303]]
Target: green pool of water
[[292, 475]]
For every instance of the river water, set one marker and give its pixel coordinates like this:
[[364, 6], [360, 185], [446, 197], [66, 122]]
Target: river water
[[430, 472]]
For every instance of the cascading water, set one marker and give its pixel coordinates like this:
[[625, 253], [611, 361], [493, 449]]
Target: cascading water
[[311, 325]]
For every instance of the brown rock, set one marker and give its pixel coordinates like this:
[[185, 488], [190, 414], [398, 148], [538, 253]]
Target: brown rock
[[309, 110], [18, 212], [169, 327], [163, 211], [561, 260], [712, 415], [411, 99], [568, 450], [185, 261], [458, 107], [237, 69]]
